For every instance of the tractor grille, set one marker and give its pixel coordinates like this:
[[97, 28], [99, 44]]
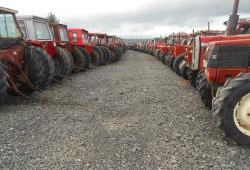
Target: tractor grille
[[229, 56]]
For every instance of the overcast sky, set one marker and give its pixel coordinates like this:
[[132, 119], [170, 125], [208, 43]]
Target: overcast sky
[[134, 18]]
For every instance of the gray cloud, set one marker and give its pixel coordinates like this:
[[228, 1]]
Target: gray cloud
[[160, 12]]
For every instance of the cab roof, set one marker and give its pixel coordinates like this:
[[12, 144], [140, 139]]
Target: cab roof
[[231, 42], [102, 35], [58, 24], [8, 10], [77, 29], [31, 17]]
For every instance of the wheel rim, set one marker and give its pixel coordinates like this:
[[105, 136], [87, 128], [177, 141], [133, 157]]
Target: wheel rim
[[242, 115]]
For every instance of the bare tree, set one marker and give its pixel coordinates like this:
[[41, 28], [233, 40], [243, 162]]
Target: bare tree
[[52, 18]]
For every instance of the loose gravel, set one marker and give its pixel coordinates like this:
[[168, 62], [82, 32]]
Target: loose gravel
[[133, 114]]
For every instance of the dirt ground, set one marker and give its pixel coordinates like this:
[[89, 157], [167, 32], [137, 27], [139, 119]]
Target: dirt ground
[[133, 114]]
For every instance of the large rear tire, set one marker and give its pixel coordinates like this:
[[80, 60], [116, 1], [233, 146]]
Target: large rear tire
[[49, 68], [62, 64], [204, 90], [115, 54], [86, 55], [176, 64], [100, 56], [109, 55], [183, 69], [3, 83], [79, 60], [192, 76], [105, 55], [231, 108], [171, 62], [34, 67]]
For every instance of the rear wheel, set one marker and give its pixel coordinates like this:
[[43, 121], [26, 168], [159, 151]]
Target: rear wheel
[[34, 67], [49, 68], [171, 62], [100, 56], [191, 76], [167, 59], [115, 54], [3, 83], [62, 63], [109, 55], [86, 55], [204, 90], [105, 55], [231, 108], [183, 69], [176, 64], [79, 60], [95, 58]]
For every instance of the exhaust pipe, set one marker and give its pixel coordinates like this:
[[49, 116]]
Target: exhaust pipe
[[233, 20]]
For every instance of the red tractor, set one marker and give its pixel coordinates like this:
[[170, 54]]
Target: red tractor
[[61, 39], [108, 42], [168, 57], [37, 33], [22, 70], [80, 37], [236, 27], [160, 47], [186, 63], [179, 53], [227, 79], [195, 64], [100, 41], [113, 42]]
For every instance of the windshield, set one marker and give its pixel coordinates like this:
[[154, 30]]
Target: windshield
[[8, 26], [63, 34], [23, 28], [92, 39], [245, 30], [42, 31], [85, 38], [208, 52]]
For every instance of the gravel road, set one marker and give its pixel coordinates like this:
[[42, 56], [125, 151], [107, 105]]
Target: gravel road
[[134, 114]]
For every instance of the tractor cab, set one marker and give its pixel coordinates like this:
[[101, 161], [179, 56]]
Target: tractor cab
[[60, 33], [243, 26], [10, 37], [98, 38], [37, 32], [25, 68], [9, 29], [80, 37]]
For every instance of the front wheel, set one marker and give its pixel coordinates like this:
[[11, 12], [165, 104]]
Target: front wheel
[[231, 108]]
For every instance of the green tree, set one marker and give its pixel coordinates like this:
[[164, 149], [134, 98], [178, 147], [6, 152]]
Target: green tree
[[52, 18]]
